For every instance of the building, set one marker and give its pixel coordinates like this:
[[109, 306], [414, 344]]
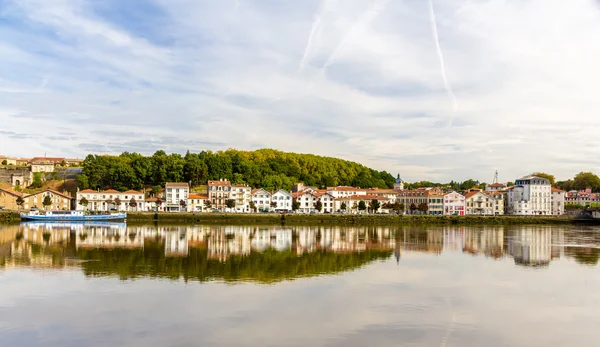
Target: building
[[306, 201], [218, 193], [435, 203], [345, 191], [582, 197], [109, 200], [197, 203], [412, 200], [42, 166], [176, 196], [398, 185], [454, 204], [8, 199], [558, 201], [499, 201], [352, 203], [58, 200], [478, 203], [327, 203], [390, 194], [53, 161], [8, 160], [242, 195], [282, 201], [261, 199], [531, 195], [495, 187]]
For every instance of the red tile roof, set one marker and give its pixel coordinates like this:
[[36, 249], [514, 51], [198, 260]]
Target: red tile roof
[[363, 197], [219, 183], [52, 160], [12, 192], [135, 192], [470, 194], [198, 197], [177, 184]]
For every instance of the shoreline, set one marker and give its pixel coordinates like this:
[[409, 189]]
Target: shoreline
[[10, 217]]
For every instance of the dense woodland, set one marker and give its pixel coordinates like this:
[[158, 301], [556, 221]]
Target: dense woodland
[[266, 168]]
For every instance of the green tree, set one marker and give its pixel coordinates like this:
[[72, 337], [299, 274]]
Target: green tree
[[118, 203], [37, 180], [252, 206], [20, 201], [295, 205], [319, 206], [546, 176], [585, 180], [423, 208], [375, 205], [273, 204], [343, 206], [362, 205], [156, 190], [230, 203], [84, 202], [47, 201], [207, 204], [4, 162]]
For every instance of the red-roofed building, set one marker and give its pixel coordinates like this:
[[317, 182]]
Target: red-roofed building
[[218, 193], [109, 200], [8, 199]]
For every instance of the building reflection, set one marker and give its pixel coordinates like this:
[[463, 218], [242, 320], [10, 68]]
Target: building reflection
[[531, 246]]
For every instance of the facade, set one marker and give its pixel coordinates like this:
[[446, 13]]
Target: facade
[[50, 160], [218, 193], [531, 196], [327, 202], [242, 195], [175, 193], [454, 204], [352, 203], [499, 202], [306, 200], [398, 185], [8, 199], [59, 201], [9, 160], [412, 199], [479, 204], [582, 197], [109, 200], [558, 202], [435, 203], [261, 199], [283, 200], [42, 166], [495, 187], [344, 191], [197, 203], [390, 194]]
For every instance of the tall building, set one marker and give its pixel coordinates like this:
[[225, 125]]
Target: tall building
[[398, 185], [175, 193], [558, 201], [218, 193], [531, 195], [454, 204]]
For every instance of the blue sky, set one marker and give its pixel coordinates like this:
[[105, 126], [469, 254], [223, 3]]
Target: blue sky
[[512, 87]]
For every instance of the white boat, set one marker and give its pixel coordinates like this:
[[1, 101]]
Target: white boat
[[71, 216]]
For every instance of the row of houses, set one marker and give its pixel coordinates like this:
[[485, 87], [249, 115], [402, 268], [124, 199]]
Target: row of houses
[[15, 161]]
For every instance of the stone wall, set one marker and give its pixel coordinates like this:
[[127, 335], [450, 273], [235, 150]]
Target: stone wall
[[16, 175]]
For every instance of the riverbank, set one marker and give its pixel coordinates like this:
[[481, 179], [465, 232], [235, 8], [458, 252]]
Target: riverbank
[[297, 219], [7, 217]]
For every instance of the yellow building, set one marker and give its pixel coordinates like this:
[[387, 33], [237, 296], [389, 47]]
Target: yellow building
[[8, 199], [59, 201]]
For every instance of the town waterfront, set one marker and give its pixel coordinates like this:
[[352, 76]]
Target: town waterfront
[[108, 284]]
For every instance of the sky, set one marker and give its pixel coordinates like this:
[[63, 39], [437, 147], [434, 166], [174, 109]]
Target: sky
[[431, 89]]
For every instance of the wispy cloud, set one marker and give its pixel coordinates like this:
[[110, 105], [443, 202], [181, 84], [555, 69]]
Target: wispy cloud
[[186, 74]]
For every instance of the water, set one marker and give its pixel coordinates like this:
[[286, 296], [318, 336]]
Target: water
[[111, 285]]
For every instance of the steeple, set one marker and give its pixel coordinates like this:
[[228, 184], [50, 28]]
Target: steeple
[[399, 185]]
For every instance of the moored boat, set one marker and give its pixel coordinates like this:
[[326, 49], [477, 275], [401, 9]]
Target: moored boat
[[71, 216]]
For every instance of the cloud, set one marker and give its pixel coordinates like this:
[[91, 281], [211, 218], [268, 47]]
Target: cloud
[[225, 74]]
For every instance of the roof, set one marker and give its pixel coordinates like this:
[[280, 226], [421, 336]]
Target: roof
[[177, 184], [12, 192], [197, 196], [42, 159], [219, 183], [52, 191], [254, 191], [363, 197], [557, 190], [132, 192], [382, 191], [471, 193], [240, 186], [344, 189], [497, 185]]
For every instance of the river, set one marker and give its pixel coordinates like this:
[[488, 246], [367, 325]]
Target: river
[[118, 285]]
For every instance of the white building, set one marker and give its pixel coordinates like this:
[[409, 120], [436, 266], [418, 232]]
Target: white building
[[343, 191], [107, 200], [283, 200], [327, 202], [242, 195], [306, 201], [454, 204], [531, 195], [558, 202], [175, 194], [197, 203], [261, 199], [479, 203]]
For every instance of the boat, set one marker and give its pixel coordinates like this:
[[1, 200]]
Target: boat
[[71, 216]]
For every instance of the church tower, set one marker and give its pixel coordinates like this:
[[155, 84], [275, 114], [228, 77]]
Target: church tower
[[398, 185]]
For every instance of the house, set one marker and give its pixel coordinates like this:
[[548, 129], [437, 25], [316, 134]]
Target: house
[[176, 196], [499, 201], [242, 195], [352, 203], [42, 166], [197, 203], [412, 199], [8, 160], [478, 203], [306, 201], [8, 199], [107, 200], [218, 193], [53, 161], [558, 201], [494, 187], [282, 200], [327, 202], [582, 197], [531, 195], [390, 194], [454, 204], [58, 200], [435, 202], [345, 191], [261, 199]]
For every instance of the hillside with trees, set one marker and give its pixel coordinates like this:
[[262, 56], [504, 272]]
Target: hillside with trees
[[266, 168]]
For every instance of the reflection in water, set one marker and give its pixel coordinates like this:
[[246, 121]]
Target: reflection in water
[[271, 253]]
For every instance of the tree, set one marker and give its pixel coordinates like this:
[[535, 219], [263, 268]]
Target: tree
[[37, 180], [252, 206], [47, 201], [230, 203], [158, 203], [343, 206], [207, 204], [375, 205], [133, 203], [20, 201], [585, 180], [182, 204], [273, 204], [118, 203], [319, 206], [4, 162], [413, 208], [84, 202], [423, 207], [510, 184], [156, 190], [398, 207], [362, 206], [546, 176], [295, 205]]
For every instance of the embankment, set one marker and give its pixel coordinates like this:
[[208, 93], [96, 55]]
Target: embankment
[[7, 217], [325, 219]]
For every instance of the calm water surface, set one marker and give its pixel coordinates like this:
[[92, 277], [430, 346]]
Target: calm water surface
[[112, 285]]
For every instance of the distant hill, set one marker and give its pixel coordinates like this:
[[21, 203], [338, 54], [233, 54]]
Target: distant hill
[[266, 168]]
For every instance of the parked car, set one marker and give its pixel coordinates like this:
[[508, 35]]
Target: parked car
[[1, 208]]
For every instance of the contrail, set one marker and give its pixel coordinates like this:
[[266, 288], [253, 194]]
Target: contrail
[[364, 21], [327, 5], [441, 57]]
